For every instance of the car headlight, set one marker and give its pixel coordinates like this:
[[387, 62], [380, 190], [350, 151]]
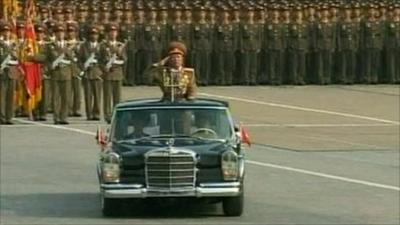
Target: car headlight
[[110, 168], [229, 165]]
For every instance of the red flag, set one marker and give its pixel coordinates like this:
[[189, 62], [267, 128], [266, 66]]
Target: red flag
[[101, 138], [244, 136]]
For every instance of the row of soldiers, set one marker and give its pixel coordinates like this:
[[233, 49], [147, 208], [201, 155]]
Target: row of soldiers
[[67, 65], [248, 44]]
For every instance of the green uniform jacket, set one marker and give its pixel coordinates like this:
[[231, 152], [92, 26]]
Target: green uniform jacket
[[106, 52], [94, 72], [186, 82]]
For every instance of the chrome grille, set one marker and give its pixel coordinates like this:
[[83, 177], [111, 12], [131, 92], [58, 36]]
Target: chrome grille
[[169, 169]]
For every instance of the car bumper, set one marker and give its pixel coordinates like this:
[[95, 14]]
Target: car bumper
[[224, 189]]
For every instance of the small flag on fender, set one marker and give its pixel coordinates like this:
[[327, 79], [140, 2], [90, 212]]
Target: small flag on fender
[[244, 136], [101, 138]]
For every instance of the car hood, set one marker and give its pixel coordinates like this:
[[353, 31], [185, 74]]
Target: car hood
[[207, 153]]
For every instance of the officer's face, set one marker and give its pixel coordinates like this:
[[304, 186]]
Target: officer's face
[[94, 36], [175, 61], [71, 34], [202, 14], [6, 34], [113, 34], [164, 15], [178, 14], [153, 15], [21, 33], [60, 35], [188, 14], [40, 35]]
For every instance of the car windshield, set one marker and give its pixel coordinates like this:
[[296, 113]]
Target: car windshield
[[204, 123]]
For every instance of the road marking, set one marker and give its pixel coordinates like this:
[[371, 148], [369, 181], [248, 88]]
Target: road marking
[[319, 125], [55, 126], [324, 175], [301, 108]]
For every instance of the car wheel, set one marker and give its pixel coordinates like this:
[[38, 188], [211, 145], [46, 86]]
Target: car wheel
[[233, 206], [110, 206]]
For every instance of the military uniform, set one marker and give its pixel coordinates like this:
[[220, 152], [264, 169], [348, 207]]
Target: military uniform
[[92, 81], [179, 84], [128, 36], [275, 45], [372, 45], [392, 49], [41, 110], [112, 74], [224, 48], [149, 47], [347, 49], [297, 47], [8, 81], [61, 75], [250, 45], [201, 51], [325, 44]]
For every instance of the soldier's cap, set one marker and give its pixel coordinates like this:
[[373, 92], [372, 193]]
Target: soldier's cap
[[20, 25], [59, 27], [94, 30], [82, 8], [39, 28], [68, 10], [58, 11], [44, 10], [112, 27], [176, 47], [71, 27], [5, 27], [94, 9], [104, 8]]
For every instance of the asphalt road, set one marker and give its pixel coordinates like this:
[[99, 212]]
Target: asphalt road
[[322, 155]]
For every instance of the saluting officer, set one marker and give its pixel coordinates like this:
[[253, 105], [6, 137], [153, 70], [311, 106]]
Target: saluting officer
[[176, 81], [112, 58], [60, 59], [92, 82], [9, 74]]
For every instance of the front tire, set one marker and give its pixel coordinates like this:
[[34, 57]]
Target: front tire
[[233, 206]]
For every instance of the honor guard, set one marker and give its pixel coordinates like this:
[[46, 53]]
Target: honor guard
[[112, 59], [9, 75], [60, 59], [176, 81], [76, 94], [91, 74]]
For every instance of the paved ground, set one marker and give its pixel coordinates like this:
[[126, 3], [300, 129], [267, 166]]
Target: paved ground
[[323, 155]]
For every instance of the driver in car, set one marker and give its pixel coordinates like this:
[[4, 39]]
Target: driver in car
[[139, 122]]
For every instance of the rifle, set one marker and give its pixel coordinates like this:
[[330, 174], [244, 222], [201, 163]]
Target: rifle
[[88, 63], [60, 60], [8, 62]]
